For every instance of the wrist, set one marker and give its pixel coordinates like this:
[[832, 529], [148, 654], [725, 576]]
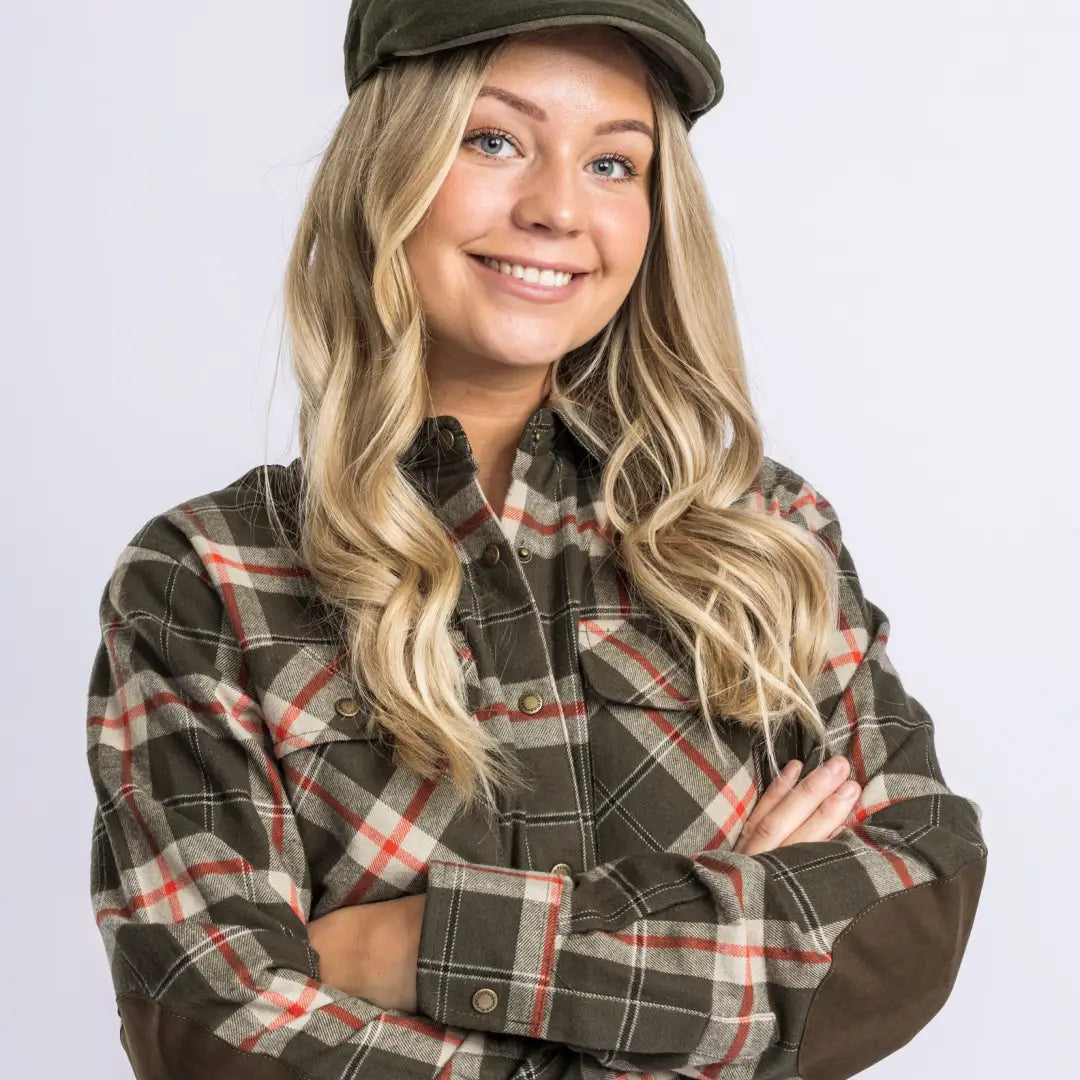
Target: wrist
[[338, 940]]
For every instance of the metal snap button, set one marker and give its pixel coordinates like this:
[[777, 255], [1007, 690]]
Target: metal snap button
[[346, 706], [490, 557], [485, 999], [446, 438], [562, 869], [524, 553], [530, 703]]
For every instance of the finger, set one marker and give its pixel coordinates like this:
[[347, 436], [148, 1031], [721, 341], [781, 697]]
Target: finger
[[791, 811], [782, 783], [829, 818], [850, 819]]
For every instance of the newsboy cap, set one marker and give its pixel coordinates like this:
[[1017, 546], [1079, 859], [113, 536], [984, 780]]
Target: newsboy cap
[[380, 29]]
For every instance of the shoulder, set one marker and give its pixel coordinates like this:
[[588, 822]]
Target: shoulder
[[780, 490], [213, 536], [236, 515]]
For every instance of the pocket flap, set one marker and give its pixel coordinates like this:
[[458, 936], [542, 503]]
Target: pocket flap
[[312, 701], [632, 662], [318, 708]]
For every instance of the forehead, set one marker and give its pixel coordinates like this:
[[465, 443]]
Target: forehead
[[573, 49], [582, 68]]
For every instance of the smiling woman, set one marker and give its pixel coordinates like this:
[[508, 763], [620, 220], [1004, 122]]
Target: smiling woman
[[454, 746], [538, 188]]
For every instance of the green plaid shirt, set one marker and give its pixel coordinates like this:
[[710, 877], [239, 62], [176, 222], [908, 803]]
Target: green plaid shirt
[[604, 927]]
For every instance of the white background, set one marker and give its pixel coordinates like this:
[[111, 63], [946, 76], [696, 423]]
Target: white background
[[896, 187]]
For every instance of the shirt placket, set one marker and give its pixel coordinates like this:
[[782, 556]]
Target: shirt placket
[[519, 621]]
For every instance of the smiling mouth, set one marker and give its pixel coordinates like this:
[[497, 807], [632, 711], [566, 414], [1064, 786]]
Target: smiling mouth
[[552, 279]]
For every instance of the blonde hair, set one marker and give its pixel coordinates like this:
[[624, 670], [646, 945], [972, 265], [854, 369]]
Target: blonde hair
[[750, 596]]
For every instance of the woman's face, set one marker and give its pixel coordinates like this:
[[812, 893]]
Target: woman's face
[[542, 188]]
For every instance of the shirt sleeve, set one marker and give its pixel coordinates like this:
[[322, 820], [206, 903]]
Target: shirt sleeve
[[813, 960], [199, 882]]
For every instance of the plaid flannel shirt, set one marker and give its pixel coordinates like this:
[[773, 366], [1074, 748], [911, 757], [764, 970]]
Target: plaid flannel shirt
[[604, 927]]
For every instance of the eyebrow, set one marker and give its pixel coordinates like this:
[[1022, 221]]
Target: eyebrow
[[529, 109]]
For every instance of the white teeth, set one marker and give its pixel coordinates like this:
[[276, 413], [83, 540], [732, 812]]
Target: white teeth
[[552, 278]]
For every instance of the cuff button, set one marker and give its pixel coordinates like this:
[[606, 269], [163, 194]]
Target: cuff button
[[484, 1000]]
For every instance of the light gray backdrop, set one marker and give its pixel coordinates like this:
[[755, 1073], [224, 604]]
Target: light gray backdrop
[[896, 188]]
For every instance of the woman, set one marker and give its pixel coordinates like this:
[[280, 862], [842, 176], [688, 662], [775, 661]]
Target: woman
[[472, 742]]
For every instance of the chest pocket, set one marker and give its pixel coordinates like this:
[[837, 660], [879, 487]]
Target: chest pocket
[[369, 826], [333, 712], [660, 782], [312, 703]]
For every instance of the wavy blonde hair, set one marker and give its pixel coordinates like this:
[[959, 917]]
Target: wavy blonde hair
[[750, 596]]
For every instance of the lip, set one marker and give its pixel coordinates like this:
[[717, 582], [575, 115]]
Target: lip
[[540, 294], [566, 268]]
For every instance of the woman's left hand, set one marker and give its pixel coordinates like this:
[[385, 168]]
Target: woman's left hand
[[370, 950]]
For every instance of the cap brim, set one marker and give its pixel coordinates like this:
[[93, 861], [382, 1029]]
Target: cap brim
[[700, 91]]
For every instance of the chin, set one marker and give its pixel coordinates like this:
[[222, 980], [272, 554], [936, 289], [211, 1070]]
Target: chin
[[525, 356]]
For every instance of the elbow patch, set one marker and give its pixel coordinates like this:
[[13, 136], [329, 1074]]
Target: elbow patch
[[893, 968], [163, 1045]]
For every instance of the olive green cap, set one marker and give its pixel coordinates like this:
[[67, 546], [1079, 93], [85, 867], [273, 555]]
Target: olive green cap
[[380, 29]]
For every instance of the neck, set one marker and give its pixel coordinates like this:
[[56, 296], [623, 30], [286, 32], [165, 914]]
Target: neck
[[493, 413]]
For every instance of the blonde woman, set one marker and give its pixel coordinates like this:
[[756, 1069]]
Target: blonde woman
[[531, 722]]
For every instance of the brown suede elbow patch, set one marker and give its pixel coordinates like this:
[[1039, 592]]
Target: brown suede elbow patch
[[163, 1045], [892, 970]]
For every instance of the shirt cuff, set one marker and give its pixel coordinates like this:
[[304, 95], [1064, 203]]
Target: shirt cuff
[[488, 945]]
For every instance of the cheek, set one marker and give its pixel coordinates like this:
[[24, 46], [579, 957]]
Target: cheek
[[467, 206], [621, 239], [447, 226]]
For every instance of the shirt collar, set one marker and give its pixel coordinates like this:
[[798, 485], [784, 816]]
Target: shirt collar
[[441, 442]]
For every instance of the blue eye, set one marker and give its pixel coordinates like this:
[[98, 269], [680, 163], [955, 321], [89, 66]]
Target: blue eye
[[488, 136], [500, 136], [619, 161]]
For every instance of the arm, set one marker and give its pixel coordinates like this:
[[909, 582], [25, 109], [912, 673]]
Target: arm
[[200, 884], [815, 960]]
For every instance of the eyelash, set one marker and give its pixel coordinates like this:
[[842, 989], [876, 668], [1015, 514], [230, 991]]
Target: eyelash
[[500, 134]]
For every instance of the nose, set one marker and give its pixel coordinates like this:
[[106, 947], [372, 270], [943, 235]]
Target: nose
[[552, 197]]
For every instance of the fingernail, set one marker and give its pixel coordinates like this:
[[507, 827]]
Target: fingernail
[[848, 790], [791, 770], [837, 766]]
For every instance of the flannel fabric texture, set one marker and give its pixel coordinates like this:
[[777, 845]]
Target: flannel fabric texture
[[605, 927]]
